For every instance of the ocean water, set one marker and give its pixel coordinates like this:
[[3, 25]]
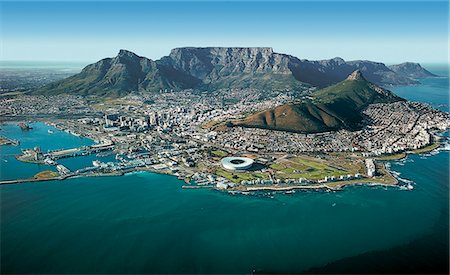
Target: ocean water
[[146, 223], [434, 91], [42, 65], [11, 168]]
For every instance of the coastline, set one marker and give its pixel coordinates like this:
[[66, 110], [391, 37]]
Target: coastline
[[386, 179]]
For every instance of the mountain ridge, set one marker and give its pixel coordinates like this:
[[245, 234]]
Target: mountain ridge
[[211, 68]]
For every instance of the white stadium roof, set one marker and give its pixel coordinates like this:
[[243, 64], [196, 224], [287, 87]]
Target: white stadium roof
[[236, 163]]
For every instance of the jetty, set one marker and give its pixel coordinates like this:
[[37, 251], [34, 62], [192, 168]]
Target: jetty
[[197, 186], [81, 151], [8, 141]]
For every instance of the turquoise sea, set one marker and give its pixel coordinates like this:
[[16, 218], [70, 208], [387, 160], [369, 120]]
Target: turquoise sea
[[146, 223], [39, 136], [434, 91]]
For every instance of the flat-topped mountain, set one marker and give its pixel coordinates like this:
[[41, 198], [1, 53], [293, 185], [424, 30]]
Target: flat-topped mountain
[[336, 107], [218, 67], [215, 68]]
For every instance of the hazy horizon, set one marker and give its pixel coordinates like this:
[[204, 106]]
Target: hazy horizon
[[388, 32]]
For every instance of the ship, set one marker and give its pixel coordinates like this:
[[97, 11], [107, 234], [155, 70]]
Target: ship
[[49, 161], [24, 126]]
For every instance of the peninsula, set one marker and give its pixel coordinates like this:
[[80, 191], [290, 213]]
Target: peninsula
[[296, 124]]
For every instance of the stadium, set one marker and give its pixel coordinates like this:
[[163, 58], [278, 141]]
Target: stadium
[[236, 163]]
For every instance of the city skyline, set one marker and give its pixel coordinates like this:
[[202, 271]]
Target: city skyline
[[390, 32]]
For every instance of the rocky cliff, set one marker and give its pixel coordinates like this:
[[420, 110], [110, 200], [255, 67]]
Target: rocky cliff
[[217, 67]]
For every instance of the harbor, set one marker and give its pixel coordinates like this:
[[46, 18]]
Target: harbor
[[104, 159]]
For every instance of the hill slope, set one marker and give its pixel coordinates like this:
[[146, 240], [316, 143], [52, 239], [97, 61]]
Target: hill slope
[[118, 76], [215, 68], [411, 70], [336, 107]]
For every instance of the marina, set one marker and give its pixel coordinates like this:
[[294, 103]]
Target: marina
[[145, 198], [224, 137], [118, 165]]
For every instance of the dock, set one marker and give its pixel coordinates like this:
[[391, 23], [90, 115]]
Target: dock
[[7, 141], [63, 170], [3, 182], [85, 150], [196, 186]]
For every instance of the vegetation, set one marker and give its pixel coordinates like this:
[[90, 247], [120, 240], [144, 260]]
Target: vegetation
[[308, 168], [219, 153], [358, 91], [237, 177], [427, 148], [335, 107], [46, 175], [392, 157]]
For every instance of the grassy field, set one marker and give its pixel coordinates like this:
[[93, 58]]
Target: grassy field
[[427, 148], [392, 157], [46, 175], [308, 168], [219, 153], [240, 176]]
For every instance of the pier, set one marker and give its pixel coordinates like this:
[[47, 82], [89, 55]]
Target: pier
[[2, 182], [81, 151], [7, 141], [197, 186]]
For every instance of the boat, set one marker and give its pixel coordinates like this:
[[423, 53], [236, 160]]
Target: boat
[[49, 131], [96, 163], [446, 147], [24, 126], [49, 161]]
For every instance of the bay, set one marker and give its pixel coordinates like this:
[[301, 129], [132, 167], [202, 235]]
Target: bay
[[146, 223]]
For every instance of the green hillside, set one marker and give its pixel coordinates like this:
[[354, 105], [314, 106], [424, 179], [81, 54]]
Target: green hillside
[[335, 107]]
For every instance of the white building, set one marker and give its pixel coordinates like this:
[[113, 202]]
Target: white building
[[370, 166], [236, 163]]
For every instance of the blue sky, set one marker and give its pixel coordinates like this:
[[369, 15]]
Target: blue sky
[[87, 31]]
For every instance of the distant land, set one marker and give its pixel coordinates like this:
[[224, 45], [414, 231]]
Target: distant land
[[213, 68], [336, 107], [411, 70]]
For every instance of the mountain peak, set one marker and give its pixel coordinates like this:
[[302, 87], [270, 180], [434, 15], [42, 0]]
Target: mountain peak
[[356, 75], [338, 60], [126, 53], [336, 107]]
